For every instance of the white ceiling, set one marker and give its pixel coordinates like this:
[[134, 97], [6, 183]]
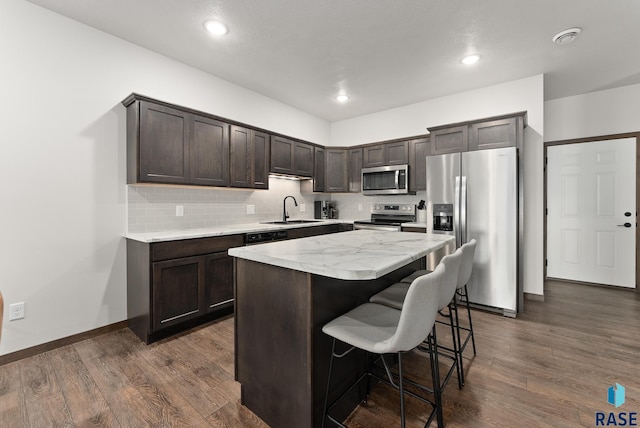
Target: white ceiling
[[383, 53]]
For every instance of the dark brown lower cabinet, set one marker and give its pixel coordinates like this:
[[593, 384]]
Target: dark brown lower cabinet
[[218, 282], [176, 292], [175, 285]]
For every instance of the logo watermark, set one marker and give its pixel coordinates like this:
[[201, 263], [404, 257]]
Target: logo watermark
[[616, 397]]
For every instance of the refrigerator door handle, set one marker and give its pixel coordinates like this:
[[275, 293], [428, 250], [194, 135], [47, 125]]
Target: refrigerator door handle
[[457, 229], [463, 210]]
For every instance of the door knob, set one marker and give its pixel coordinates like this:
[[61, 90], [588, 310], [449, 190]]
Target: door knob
[[627, 214], [625, 225]]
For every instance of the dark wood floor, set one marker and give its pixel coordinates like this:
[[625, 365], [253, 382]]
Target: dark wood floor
[[550, 367]]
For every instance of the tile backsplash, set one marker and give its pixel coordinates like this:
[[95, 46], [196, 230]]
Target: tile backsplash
[[152, 208]]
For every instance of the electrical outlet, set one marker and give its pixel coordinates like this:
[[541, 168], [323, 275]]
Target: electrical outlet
[[303, 208], [16, 311], [359, 207], [251, 209], [179, 210]]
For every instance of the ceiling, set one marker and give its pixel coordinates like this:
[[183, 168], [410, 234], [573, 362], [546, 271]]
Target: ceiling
[[383, 54]]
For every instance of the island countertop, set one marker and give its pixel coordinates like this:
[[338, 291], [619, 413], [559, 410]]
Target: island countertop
[[355, 255]]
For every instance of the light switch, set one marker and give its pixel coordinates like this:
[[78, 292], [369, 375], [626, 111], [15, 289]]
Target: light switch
[[179, 210]]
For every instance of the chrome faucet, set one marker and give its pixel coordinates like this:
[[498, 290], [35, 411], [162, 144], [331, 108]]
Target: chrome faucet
[[285, 216]]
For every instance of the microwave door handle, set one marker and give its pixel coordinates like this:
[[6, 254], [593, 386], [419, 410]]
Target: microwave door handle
[[397, 179]]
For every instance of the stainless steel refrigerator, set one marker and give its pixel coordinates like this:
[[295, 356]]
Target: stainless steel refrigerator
[[475, 195]]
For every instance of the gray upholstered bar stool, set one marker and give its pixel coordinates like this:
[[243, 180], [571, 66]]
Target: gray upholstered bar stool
[[464, 274], [379, 329], [394, 296]]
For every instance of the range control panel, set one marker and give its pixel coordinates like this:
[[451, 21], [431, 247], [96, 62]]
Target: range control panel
[[402, 209]]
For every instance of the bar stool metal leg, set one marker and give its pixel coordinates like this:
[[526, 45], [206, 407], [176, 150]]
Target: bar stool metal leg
[[435, 375], [473, 339], [326, 394], [401, 388]]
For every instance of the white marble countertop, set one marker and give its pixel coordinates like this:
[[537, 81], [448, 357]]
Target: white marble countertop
[[174, 235], [355, 255]]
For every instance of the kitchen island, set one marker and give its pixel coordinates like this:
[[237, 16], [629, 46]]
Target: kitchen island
[[286, 291]]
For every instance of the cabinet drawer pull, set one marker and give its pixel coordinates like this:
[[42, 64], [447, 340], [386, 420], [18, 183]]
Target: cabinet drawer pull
[[221, 303], [178, 316]]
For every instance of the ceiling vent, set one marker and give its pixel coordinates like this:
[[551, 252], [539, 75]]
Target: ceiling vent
[[566, 36]]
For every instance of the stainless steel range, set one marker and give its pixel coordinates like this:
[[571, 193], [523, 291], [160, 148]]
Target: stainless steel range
[[388, 217]]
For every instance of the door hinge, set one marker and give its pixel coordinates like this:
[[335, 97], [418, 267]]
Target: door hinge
[[546, 262], [546, 211]]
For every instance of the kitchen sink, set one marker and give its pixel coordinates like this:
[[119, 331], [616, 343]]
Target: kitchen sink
[[290, 221]]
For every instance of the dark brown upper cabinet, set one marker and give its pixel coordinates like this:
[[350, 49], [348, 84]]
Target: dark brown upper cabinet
[[291, 157], [419, 149], [337, 163], [373, 156], [318, 169], [355, 170], [282, 157], [248, 158], [304, 159], [493, 134], [174, 146], [157, 144], [394, 153], [449, 140], [488, 133], [261, 156], [209, 152]]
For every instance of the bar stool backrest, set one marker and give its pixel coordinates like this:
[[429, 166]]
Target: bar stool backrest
[[450, 280], [466, 264], [418, 314]]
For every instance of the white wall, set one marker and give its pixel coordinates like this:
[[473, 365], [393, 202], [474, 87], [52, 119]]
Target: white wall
[[613, 111], [510, 97], [62, 163]]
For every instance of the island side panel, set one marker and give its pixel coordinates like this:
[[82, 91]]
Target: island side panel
[[273, 336]]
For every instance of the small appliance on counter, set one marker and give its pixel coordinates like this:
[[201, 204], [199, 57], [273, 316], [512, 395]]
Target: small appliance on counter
[[325, 210]]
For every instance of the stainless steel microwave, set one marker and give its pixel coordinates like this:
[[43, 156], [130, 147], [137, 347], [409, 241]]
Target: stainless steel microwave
[[385, 180]]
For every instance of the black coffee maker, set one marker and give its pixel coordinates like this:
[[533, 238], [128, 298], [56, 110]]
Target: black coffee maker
[[322, 209]]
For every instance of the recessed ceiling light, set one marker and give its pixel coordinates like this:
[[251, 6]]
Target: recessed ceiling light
[[342, 98], [470, 59], [566, 36], [216, 27]]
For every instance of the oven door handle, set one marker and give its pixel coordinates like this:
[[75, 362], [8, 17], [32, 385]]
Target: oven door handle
[[397, 179]]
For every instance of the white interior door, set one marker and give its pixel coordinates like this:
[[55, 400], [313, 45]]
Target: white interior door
[[591, 195]]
